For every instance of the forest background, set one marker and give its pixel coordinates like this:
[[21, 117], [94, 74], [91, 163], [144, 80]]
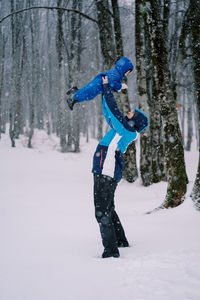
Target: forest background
[[48, 46]]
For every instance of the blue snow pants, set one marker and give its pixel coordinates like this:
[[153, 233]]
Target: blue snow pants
[[101, 151], [89, 91]]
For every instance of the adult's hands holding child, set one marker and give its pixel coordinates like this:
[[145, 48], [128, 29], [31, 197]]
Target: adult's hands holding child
[[105, 79]]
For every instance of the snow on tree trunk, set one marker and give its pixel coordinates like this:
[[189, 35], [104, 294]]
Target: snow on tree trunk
[[173, 148], [62, 119], [32, 88], [2, 56], [141, 63], [130, 172], [189, 124], [106, 33], [195, 28], [151, 149], [74, 69]]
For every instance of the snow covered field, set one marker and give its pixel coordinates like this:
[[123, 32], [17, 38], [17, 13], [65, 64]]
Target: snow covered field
[[50, 242]]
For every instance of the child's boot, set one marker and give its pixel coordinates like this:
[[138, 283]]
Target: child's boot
[[71, 102]]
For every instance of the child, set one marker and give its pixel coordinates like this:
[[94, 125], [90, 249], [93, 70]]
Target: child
[[122, 68]]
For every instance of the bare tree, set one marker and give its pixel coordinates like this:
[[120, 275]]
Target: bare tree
[[173, 148], [195, 29], [130, 172], [2, 65], [61, 82]]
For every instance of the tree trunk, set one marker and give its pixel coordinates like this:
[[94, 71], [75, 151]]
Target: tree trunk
[[32, 89], [12, 110], [77, 109], [151, 149], [61, 75], [107, 49], [117, 29], [18, 127], [18, 57], [195, 27], [106, 33], [189, 125], [173, 148], [141, 65], [130, 172], [2, 75]]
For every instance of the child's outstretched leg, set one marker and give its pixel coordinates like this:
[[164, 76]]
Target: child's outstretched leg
[[88, 92], [101, 151]]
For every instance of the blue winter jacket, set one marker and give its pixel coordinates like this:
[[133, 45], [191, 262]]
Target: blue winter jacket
[[115, 76]]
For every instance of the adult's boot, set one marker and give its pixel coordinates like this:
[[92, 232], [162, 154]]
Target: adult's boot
[[71, 102]]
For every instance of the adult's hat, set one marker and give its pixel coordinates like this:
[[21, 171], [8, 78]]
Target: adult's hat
[[140, 120]]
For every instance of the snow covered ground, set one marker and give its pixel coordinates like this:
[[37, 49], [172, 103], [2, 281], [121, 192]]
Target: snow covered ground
[[50, 242]]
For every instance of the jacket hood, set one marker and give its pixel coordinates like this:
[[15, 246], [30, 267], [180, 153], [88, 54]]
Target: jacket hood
[[139, 120], [123, 65]]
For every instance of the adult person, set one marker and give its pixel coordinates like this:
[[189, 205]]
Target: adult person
[[128, 127]]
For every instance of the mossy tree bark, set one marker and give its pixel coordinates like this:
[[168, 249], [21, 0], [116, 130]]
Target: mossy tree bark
[[2, 68], [106, 33], [195, 30], [130, 172], [141, 65], [60, 46], [173, 148], [151, 146]]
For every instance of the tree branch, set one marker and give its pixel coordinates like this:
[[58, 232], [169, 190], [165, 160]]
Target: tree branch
[[50, 7]]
